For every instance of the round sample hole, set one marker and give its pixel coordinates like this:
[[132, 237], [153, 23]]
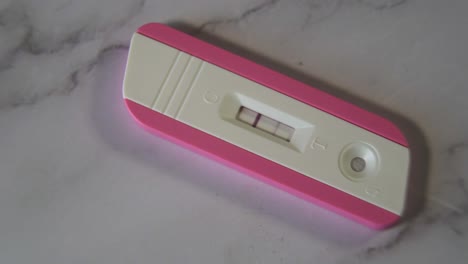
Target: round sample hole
[[359, 161], [358, 164]]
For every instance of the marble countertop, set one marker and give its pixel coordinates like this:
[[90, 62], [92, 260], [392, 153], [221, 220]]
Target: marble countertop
[[80, 182]]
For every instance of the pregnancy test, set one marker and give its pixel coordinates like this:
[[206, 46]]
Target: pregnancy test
[[267, 125]]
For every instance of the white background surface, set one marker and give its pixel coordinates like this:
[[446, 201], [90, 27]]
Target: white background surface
[[80, 182]]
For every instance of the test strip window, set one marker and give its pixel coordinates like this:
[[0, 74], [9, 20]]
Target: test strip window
[[265, 123]]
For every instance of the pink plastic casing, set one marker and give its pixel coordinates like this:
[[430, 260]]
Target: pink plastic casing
[[250, 163]]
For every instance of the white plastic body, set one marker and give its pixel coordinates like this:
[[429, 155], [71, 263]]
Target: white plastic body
[[208, 98]]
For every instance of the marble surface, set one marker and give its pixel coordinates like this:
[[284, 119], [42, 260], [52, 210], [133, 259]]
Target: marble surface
[[80, 182]]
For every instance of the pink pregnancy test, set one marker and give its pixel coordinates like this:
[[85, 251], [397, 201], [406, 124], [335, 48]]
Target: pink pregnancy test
[[284, 132]]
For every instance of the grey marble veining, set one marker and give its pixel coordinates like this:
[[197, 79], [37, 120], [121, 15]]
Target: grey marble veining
[[80, 182]]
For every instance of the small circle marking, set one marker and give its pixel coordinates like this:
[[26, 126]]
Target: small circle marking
[[210, 97]]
